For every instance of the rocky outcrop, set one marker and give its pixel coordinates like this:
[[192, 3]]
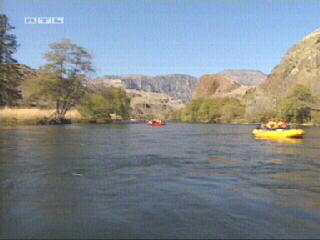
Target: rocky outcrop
[[148, 105], [177, 86], [247, 78], [301, 65], [216, 86], [144, 105]]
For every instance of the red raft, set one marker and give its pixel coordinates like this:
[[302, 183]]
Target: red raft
[[156, 123]]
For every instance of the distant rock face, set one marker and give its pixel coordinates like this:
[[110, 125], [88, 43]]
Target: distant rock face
[[145, 105], [177, 86], [301, 65], [148, 105], [245, 77], [216, 86]]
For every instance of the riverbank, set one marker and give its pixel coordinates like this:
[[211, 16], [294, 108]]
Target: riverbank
[[244, 122], [32, 116], [36, 116]]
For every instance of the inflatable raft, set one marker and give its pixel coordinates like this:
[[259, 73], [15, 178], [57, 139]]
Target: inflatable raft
[[279, 133], [156, 123]]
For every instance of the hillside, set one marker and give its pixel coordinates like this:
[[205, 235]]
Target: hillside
[[216, 86], [26, 73], [301, 65], [248, 78]]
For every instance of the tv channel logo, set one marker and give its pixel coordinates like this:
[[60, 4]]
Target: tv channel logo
[[44, 20], [30, 20]]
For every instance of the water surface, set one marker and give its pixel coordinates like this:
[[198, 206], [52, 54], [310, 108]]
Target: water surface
[[136, 181]]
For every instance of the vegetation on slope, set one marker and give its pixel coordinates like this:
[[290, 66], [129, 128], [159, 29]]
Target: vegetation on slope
[[215, 110], [296, 107]]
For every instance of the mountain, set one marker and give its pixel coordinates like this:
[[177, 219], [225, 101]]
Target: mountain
[[301, 65], [217, 86], [177, 86], [245, 77]]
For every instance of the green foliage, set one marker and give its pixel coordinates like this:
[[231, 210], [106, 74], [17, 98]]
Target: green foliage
[[266, 116], [296, 107], [231, 110], [10, 77], [8, 42], [316, 117], [216, 110], [62, 81], [119, 100], [95, 108], [98, 106]]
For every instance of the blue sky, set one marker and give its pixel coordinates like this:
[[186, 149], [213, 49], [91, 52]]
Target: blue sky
[[164, 37]]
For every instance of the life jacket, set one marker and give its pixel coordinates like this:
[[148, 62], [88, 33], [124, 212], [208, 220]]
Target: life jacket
[[283, 124], [271, 125]]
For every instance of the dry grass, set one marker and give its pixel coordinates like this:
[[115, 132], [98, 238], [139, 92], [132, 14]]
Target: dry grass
[[32, 115], [73, 115]]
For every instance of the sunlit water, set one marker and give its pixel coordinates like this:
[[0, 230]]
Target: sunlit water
[[136, 181]]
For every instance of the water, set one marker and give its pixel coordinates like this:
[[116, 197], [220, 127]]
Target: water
[[135, 181]]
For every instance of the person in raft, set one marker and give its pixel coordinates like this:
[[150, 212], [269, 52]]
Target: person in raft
[[274, 125]]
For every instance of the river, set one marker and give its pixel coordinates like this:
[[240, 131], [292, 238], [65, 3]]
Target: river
[[135, 181]]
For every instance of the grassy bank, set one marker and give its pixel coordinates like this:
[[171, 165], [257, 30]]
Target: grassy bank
[[32, 115]]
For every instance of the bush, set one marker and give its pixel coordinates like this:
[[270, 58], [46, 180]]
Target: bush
[[296, 107], [98, 106], [216, 110], [266, 116], [95, 108], [315, 118]]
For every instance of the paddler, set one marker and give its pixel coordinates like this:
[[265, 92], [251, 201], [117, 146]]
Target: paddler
[[272, 125], [282, 124]]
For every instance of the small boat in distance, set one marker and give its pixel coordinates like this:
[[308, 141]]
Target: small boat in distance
[[157, 123]]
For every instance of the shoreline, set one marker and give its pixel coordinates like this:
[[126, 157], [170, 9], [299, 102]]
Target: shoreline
[[33, 116]]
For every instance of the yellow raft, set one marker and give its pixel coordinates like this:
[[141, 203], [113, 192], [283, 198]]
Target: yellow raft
[[279, 133]]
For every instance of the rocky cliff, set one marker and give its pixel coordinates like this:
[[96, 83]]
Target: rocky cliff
[[177, 86], [148, 105], [301, 65], [216, 86]]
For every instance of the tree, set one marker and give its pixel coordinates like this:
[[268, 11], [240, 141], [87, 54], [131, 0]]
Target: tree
[[215, 110], [95, 108], [98, 106], [10, 76], [297, 106], [231, 110], [63, 79]]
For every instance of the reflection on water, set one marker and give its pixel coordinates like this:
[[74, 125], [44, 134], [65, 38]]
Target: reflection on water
[[283, 140], [135, 181]]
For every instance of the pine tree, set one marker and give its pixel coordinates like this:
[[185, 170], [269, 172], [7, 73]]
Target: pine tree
[[10, 76]]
